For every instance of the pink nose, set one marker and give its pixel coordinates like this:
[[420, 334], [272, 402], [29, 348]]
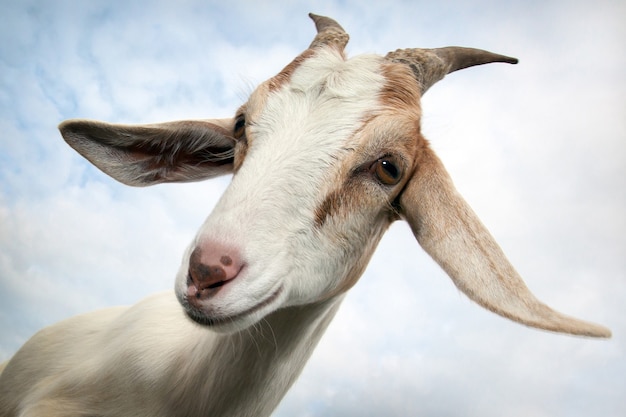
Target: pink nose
[[211, 266]]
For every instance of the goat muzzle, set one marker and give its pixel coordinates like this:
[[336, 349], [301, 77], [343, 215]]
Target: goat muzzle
[[211, 266]]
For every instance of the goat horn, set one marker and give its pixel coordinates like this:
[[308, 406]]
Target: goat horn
[[431, 65], [329, 32]]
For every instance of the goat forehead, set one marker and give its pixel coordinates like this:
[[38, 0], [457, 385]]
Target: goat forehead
[[315, 113], [324, 99], [328, 73]]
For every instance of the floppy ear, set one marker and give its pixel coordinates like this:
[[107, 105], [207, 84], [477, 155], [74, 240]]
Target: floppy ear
[[450, 232], [142, 155]]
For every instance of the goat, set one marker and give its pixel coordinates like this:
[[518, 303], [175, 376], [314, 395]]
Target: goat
[[324, 156]]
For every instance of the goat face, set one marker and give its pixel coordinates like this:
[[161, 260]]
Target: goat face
[[319, 162], [324, 157]]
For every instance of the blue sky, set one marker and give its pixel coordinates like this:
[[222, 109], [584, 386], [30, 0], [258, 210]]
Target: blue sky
[[538, 149]]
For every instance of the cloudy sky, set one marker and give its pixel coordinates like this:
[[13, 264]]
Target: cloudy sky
[[538, 149]]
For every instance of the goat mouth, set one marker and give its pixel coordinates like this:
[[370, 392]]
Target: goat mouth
[[219, 284], [200, 291], [193, 290], [197, 315]]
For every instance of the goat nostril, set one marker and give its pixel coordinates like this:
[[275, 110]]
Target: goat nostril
[[216, 272], [226, 260]]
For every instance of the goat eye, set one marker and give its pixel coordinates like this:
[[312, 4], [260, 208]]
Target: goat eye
[[240, 126], [386, 171]]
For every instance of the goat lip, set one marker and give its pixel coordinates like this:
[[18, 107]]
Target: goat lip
[[220, 283], [200, 317]]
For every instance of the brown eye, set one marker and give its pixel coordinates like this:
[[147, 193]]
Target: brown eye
[[386, 171], [240, 126]]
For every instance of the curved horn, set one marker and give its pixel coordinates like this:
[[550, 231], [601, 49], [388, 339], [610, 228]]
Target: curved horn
[[431, 65], [329, 32]]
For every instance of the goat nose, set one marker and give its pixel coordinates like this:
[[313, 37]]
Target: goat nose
[[211, 266]]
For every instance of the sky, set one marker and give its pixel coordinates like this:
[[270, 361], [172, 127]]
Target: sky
[[537, 149]]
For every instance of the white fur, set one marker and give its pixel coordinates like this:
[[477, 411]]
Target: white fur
[[150, 360]]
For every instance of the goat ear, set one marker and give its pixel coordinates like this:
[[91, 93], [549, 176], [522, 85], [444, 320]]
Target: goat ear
[[141, 155], [450, 232]]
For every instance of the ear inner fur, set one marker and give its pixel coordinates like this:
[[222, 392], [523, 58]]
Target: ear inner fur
[[141, 155]]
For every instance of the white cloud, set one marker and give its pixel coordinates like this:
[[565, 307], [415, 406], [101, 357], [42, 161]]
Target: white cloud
[[537, 149]]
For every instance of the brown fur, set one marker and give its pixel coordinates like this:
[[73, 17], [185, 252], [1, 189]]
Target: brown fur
[[283, 77]]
